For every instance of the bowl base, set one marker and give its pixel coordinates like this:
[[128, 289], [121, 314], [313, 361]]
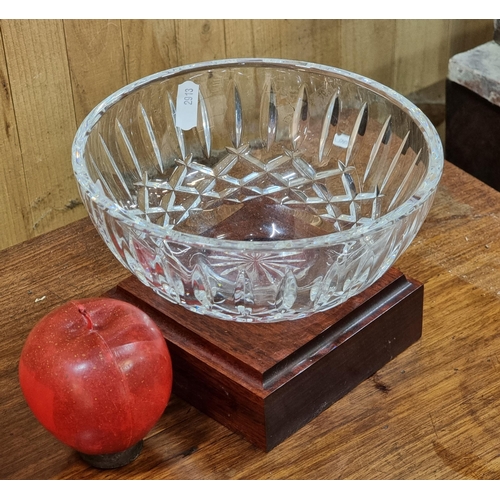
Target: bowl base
[[266, 381]]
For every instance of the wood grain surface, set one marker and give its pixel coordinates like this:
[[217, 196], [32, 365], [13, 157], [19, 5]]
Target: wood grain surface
[[431, 413], [45, 120], [53, 72], [96, 61]]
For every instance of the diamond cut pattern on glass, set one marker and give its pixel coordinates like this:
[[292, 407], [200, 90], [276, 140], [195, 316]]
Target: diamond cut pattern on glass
[[292, 177]]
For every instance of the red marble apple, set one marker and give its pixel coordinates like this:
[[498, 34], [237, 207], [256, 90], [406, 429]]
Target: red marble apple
[[97, 374]]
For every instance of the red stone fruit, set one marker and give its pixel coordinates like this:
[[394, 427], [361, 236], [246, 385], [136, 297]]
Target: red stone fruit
[[97, 374]]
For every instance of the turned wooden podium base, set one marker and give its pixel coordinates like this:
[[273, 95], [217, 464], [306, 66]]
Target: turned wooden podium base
[[266, 381]]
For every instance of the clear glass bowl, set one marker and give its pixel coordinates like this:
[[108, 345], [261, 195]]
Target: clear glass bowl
[[293, 187]]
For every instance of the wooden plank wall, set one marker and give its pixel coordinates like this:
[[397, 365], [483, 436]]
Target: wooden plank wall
[[53, 72]]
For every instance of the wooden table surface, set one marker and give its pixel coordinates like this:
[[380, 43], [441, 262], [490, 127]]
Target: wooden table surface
[[431, 413]]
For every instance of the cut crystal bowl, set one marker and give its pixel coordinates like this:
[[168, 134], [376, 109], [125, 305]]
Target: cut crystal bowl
[[257, 190]]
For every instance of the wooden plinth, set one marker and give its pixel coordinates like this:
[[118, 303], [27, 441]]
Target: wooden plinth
[[266, 381], [472, 125]]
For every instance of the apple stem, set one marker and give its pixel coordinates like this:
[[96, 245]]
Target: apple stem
[[86, 315]]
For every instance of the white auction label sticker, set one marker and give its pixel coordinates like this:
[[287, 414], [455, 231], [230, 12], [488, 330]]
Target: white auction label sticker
[[186, 112]]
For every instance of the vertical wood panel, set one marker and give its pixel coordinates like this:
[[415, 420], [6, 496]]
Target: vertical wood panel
[[422, 53], [307, 40], [239, 38], [200, 40], [465, 34], [149, 46], [327, 41], [14, 219], [39, 76], [266, 36], [96, 61], [310, 40], [368, 48]]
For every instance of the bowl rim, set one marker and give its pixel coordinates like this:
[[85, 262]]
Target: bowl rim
[[424, 193]]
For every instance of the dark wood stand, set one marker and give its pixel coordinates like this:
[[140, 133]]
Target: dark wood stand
[[472, 142], [266, 381], [473, 110]]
